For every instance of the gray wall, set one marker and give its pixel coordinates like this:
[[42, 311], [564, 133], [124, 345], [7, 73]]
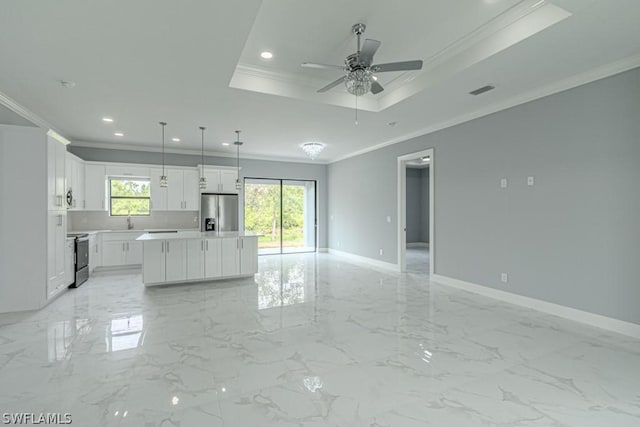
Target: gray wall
[[415, 204], [249, 168], [571, 239]]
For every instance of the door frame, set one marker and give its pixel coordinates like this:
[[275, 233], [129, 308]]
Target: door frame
[[402, 208], [315, 210]]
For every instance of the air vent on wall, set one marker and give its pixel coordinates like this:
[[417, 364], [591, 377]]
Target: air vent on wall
[[482, 90]]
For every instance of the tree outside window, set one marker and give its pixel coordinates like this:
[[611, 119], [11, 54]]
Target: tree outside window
[[129, 196]]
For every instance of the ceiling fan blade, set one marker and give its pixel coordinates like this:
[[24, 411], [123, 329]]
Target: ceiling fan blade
[[369, 48], [332, 85], [321, 66], [397, 66], [376, 88]]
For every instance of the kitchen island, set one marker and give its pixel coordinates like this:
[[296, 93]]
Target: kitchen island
[[193, 256]]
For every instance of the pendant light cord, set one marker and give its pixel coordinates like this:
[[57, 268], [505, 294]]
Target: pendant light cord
[[163, 124], [202, 128]]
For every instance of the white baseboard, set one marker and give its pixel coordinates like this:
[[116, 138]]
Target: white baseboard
[[323, 249], [417, 245], [366, 260], [597, 320]]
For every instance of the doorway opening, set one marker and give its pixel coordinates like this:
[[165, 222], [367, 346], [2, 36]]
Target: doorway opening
[[284, 212], [416, 247]]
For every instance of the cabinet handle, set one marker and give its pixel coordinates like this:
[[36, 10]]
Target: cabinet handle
[[202, 245], [168, 247], [162, 250], [127, 246], [207, 245], [242, 243]]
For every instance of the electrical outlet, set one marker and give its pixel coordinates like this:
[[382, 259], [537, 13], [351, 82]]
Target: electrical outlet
[[503, 183], [381, 251], [530, 181], [504, 278]]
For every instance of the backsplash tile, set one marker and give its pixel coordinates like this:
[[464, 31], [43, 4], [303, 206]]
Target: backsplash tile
[[90, 220]]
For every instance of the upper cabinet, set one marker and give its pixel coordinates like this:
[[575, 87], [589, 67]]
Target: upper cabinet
[[56, 152], [181, 193], [95, 187], [220, 180], [74, 167]]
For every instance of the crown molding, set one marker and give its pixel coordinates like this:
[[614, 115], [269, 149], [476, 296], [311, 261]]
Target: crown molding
[[559, 86], [24, 112], [190, 152]]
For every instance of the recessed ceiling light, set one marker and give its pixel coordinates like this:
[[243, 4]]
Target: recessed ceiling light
[[175, 139], [266, 54], [226, 144], [118, 134], [107, 119]]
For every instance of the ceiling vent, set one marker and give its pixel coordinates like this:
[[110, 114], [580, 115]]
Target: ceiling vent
[[482, 90]]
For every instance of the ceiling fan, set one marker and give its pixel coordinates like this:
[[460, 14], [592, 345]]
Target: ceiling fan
[[360, 71]]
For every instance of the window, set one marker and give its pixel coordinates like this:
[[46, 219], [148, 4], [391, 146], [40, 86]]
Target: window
[[129, 196]]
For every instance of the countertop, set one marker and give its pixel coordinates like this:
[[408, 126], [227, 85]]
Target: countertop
[[197, 235], [146, 230]]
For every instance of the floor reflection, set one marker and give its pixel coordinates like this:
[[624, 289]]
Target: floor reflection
[[279, 287], [62, 335], [125, 333]]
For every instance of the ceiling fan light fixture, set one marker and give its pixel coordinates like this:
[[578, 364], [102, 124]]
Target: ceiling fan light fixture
[[358, 82], [312, 149]]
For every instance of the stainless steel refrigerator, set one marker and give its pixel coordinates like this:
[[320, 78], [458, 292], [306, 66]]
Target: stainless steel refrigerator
[[219, 212]]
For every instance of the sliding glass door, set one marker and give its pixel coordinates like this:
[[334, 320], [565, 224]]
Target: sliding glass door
[[284, 211]]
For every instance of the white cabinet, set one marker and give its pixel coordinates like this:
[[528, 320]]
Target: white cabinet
[[204, 258], [164, 261], [175, 260], [153, 261], [158, 194], [181, 193], [95, 255], [74, 167], [95, 187], [56, 216], [220, 180], [239, 256], [248, 255], [120, 249], [56, 249], [195, 259], [56, 152], [212, 258], [191, 185], [230, 259]]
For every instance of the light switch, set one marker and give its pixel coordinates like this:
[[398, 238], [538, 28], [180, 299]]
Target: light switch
[[503, 183], [530, 181]]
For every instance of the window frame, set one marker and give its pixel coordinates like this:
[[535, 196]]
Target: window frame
[[127, 178]]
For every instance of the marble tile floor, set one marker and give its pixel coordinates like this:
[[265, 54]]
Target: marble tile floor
[[417, 260], [313, 340]]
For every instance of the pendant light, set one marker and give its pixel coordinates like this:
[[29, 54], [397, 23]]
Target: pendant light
[[238, 144], [163, 177], [203, 179]]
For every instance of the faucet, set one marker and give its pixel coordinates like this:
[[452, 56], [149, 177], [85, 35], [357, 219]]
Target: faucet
[[129, 222]]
